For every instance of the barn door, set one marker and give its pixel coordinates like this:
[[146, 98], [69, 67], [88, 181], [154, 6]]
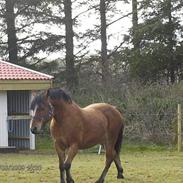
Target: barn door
[[18, 119]]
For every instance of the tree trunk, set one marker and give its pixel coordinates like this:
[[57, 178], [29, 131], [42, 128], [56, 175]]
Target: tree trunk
[[135, 38], [71, 75], [104, 60], [170, 42], [11, 31]]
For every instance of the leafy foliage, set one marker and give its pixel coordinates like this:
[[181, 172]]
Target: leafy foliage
[[160, 40]]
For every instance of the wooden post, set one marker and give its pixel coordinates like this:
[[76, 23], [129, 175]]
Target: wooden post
[[99, 150], [179, 143]]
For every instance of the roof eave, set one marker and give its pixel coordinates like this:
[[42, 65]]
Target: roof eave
[[25, 84]]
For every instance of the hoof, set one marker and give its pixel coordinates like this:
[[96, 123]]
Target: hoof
[[62, 181], [99, 181], [120, 176], [70, 181]]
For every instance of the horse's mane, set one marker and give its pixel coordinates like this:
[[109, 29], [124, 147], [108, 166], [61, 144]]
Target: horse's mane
[[53, 93], [58, 93], [37, 100]]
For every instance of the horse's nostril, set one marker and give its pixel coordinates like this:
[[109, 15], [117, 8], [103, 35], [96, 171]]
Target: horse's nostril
[[34, 130]]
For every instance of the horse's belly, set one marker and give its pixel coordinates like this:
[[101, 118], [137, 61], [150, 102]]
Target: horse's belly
[[90, 143], [93, 137]]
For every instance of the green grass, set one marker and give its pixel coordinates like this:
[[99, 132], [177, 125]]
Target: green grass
[[44, 142], [141, 165]]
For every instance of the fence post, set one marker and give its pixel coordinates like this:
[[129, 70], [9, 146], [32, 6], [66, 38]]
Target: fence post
[[99, 150], [179, 143]]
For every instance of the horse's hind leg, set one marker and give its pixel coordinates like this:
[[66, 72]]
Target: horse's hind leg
[[119, 167], [110, 154]]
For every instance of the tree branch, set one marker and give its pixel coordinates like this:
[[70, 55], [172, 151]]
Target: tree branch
[[116, 49], [89, 9]]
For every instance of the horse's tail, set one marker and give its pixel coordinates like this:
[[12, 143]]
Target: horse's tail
[[119, 140]]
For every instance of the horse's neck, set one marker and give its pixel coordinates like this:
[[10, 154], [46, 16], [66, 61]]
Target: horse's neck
[[66, 109]]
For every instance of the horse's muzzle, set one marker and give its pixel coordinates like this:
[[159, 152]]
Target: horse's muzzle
[[34, 130]]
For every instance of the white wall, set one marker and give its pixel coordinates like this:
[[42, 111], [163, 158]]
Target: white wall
[[32, 136], [3, 119], [32, 141]]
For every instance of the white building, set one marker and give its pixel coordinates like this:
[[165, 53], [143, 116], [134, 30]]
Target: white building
[[16, 86]]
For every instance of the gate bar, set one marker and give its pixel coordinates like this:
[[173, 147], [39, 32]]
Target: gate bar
[[179, 130]]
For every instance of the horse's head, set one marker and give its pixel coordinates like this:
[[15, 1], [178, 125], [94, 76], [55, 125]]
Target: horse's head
[[41, 113]]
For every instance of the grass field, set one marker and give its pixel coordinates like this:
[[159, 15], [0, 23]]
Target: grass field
[[141, 165]]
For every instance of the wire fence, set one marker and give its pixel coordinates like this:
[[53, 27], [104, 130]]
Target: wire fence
[[160, 127]]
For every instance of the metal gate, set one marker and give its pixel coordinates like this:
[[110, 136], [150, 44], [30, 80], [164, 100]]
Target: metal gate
[[18, 119]]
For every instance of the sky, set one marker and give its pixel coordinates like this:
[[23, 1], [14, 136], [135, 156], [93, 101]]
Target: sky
[[115, 32], [88, 20]]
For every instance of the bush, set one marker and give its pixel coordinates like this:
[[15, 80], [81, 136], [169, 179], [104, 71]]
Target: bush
[[149, 111]]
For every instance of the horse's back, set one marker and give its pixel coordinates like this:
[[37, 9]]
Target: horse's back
[[104, 108], [111, 113], [99, 106]]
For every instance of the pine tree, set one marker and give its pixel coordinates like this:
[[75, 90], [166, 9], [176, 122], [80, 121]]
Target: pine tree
[[71, 75], [11, 30], [104, 57], [160, 42]]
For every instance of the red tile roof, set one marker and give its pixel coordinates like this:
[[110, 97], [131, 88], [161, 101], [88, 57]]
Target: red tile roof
[[9, 71]]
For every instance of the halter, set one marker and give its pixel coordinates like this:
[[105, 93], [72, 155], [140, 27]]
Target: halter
[[46, 117]]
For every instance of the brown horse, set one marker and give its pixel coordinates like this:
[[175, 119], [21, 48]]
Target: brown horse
[[74, 128]]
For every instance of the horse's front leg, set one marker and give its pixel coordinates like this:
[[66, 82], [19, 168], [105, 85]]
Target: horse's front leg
[[61, 156], [72, 151]]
